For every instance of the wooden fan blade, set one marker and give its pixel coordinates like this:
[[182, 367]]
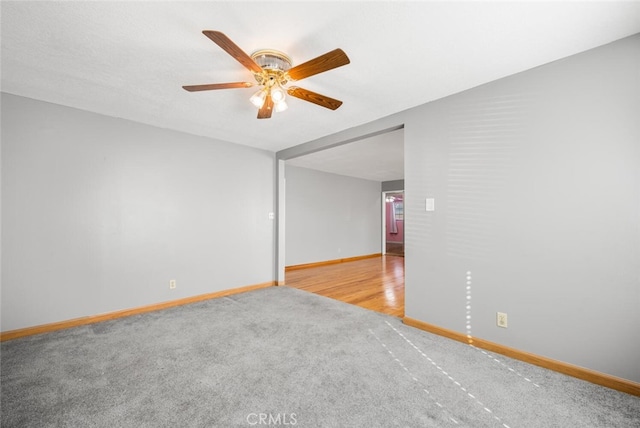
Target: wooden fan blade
[[194, 88], [266, 109], [313, 97], [330, 60], [232, 49]]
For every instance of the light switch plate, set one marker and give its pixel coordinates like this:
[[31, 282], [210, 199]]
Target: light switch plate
[[431, 204]]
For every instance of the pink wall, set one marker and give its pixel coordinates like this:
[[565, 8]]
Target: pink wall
[[393, 237]]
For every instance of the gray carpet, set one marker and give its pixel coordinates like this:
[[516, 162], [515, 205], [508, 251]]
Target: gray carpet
[[284, 357]]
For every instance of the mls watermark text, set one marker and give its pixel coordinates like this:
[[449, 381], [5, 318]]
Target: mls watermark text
[[271, 419]]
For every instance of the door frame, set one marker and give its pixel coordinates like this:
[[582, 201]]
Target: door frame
[[384, 219]]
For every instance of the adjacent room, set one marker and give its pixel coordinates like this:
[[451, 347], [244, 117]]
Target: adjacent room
[[340, 214]]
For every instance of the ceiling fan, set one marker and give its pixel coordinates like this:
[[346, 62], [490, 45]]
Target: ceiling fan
[[273, 71]]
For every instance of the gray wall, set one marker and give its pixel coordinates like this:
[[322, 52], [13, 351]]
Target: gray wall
[[330, 216], [536, 180], [99, 213]]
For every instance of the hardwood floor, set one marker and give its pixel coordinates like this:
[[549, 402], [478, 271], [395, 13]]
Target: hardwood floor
[[375, 283], [395, 249]]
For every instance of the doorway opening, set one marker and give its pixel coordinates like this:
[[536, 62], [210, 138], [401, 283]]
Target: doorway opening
[[377, 283], [393, 223]]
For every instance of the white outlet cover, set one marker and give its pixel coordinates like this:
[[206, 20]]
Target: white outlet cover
[[501, 319]]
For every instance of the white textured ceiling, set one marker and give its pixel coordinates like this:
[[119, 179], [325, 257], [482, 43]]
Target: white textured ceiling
[[130, 59], [379, 158]]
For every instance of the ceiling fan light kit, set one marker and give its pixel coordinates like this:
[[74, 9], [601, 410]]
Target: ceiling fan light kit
[[274, 64], [273, 70]]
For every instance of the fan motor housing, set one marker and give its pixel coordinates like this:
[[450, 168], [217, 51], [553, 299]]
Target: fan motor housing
[[275, 65], [270, 59]]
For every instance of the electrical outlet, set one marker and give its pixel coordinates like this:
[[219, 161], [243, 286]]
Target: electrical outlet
[[501, 319], [172, 284]]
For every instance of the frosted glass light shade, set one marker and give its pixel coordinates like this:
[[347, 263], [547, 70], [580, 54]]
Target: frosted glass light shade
[[281, 106], [277, 95], [258, 98]]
